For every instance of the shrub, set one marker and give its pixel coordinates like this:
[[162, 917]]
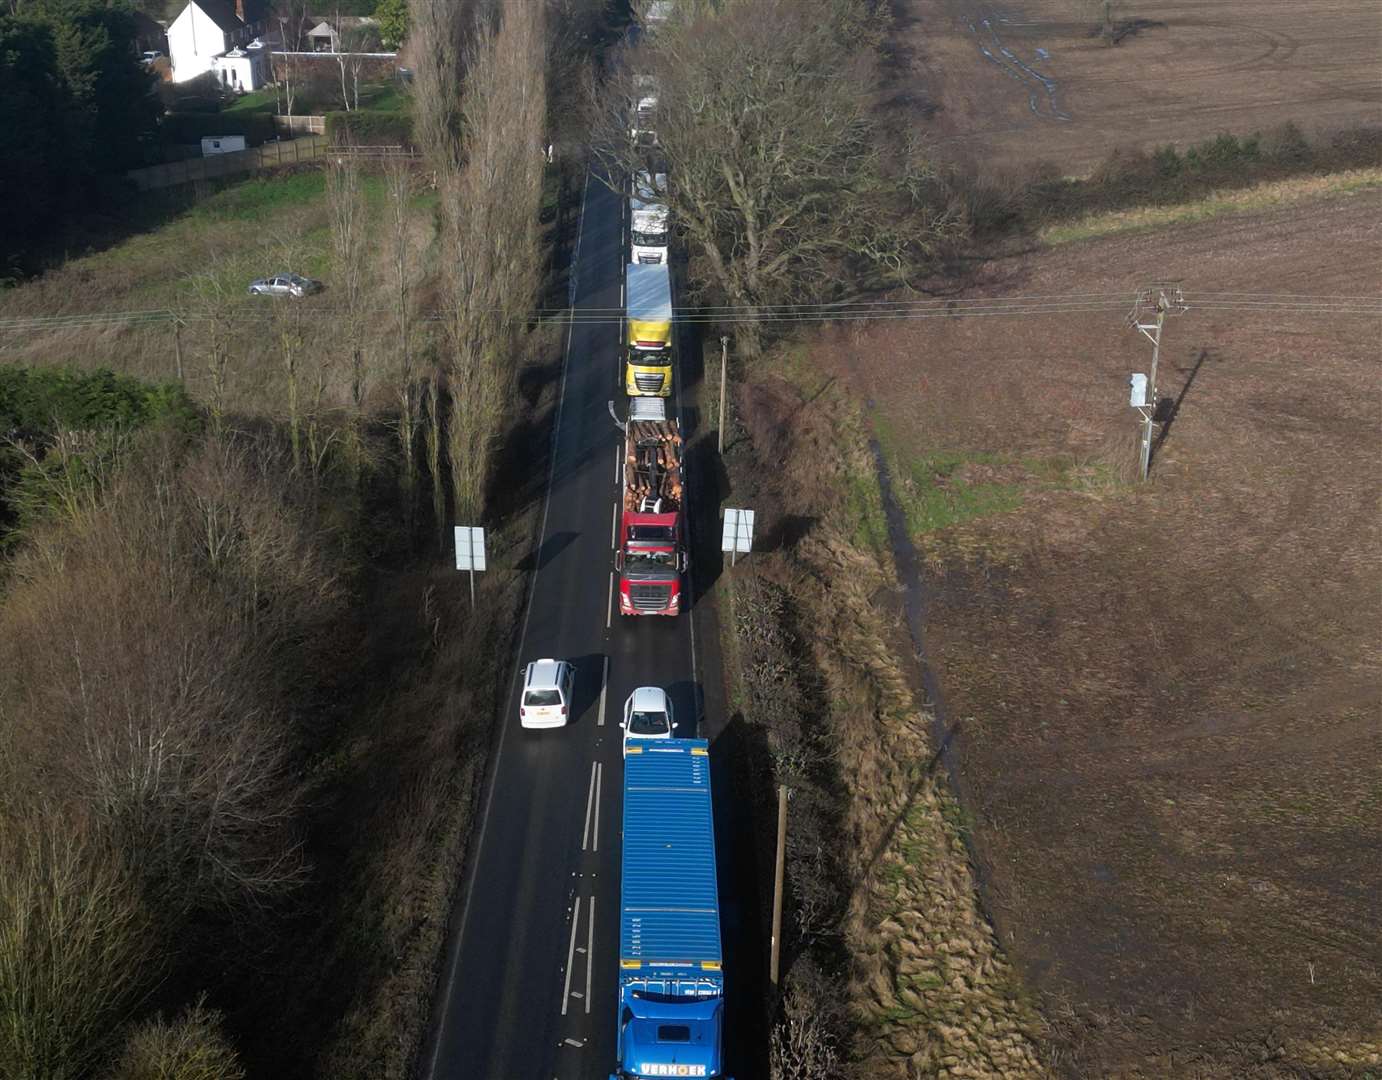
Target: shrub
[[36, 400], [365, 127], [192, 1047], [66, 431], [152, 651], [190, 127], [76, 952]]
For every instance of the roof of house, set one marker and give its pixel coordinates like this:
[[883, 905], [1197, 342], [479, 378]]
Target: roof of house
[[222, 12], [326, 24]]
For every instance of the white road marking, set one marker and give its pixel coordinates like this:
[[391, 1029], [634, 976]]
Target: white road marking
[[609, 607], [577, 1043], [614, 527], [455, 958], [590, 950], [589, 802], [595, 836], [570, 956], [604, 689], [618, 460]]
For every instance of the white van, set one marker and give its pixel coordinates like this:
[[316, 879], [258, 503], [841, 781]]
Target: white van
[[547, 693]]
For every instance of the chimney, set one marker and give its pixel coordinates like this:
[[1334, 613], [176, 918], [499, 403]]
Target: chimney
[[240, 10]]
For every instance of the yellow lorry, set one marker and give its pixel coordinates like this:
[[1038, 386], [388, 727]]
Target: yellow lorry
[[648, 330]]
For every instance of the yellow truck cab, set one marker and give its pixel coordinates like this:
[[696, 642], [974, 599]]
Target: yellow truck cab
[[648, 334]]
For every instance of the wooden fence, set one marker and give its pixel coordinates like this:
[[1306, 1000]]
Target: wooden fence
[[301, 125], [267, 156]]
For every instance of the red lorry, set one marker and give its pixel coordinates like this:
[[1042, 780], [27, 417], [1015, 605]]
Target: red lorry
[[651, 557]]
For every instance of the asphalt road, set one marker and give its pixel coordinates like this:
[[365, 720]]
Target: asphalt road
[[528, 990]]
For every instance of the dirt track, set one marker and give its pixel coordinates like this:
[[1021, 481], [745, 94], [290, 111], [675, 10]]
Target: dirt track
[[1168, 697], [1015, 83]]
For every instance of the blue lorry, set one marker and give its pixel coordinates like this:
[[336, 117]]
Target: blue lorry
[[671, 974]]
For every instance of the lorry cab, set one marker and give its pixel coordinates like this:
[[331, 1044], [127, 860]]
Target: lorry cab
[[649, 219], [643, 111], [548, 686], [648, 322], [665, 1035]]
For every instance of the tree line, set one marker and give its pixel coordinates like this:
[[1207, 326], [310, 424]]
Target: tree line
[[182, 584], [76, 109]]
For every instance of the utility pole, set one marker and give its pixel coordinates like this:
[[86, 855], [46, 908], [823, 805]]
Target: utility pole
[[776, 953], [724, 363], [1153, 302]]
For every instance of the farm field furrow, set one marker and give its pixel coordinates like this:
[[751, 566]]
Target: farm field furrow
[[1014, 83]]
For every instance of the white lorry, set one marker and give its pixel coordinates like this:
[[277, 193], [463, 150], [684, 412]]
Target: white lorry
[[643, 111], [649, 219]]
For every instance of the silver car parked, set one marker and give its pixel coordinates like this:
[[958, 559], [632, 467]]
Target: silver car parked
[[284, 285]]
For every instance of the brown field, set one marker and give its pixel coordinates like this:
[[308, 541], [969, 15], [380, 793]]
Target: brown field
[[1165, 699], [1183, 71]]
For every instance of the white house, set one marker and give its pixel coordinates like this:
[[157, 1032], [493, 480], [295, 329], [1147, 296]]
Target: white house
[[246, 68], [208, 31]]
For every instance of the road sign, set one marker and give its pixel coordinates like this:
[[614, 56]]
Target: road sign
[[1137, 396], [470, 553], [470, 548], [738, 533]]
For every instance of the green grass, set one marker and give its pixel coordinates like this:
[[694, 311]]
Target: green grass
[[864, 507], [261, 101], [385, 97], [251, 200], [934, 498]]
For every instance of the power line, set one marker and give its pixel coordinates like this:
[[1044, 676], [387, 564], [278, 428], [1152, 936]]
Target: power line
[[848, 311]]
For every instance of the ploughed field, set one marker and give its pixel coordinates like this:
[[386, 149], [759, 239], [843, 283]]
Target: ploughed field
[[1032, 80], [1166, 698]]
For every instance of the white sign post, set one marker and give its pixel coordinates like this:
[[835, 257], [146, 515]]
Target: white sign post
[[470, 554], [738, 533]]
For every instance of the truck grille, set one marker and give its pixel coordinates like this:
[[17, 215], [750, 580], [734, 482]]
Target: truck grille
[[648, 384], [649, 597]]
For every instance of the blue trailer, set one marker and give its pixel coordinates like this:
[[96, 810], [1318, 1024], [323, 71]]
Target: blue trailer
[[671, 974]]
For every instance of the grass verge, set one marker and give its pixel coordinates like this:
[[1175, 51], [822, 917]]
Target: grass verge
[[881, 896], [1260, 197]]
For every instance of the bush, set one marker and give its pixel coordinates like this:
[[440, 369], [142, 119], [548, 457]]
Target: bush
[[152, 651], [66, 432], [190, 127], [37, 400], [192, 1047], [76, 952], [365, 127]]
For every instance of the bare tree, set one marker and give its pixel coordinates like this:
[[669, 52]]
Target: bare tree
[[191, 1047], [349, 242], [437, 39], [292, 14], [290, 333], [76, 949], [355, 43], [764, 120], [399, 181], [214, 301], [438, 31], [493, 220]]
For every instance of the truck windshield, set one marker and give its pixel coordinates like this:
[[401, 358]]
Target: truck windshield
[[650, 568], [648, 239]]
